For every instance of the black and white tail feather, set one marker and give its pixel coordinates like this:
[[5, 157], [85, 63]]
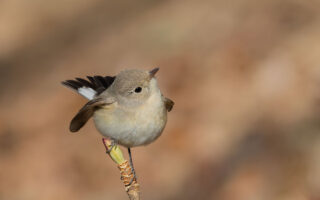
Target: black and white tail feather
[[90, 88]]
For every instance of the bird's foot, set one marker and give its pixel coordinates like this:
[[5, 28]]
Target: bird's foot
[[109, 147], [134, 178]]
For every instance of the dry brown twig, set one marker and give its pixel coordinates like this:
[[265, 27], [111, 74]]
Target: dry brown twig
[[114, 151]]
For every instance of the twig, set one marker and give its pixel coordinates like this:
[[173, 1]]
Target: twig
[[133, 190]]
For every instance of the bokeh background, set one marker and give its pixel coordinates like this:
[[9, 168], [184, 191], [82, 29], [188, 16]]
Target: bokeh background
[[245, 77]]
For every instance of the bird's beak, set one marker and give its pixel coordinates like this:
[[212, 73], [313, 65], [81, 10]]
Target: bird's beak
[[153, 72]]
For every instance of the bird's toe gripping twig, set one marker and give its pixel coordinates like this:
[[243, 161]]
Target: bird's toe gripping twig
[[132, 187]]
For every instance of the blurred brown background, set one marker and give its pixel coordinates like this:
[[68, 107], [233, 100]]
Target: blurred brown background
[[245, 76]]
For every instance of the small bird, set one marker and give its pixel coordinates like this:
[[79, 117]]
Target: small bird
[[128, 108]]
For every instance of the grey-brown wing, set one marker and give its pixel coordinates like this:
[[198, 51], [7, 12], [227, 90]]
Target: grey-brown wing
[[86, 112], [168, 103]]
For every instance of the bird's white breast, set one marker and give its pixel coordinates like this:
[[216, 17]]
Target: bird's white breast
[[137, 126]]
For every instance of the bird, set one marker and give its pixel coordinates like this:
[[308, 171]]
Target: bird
[[128, 108]]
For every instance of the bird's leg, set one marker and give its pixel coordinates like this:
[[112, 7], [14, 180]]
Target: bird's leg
[[113, 143], [132, 168]]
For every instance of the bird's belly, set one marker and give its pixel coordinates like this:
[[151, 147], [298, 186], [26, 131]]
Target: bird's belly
[[132, 128]]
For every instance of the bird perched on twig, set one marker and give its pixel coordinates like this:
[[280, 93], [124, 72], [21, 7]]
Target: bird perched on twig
[[128, 108]]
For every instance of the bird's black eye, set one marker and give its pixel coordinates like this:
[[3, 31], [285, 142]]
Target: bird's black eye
[[138, 90]]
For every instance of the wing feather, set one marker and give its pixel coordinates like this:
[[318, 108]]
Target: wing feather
[[87, 111], [168, 103]]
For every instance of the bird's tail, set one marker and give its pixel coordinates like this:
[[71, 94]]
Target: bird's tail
[[91, 87]]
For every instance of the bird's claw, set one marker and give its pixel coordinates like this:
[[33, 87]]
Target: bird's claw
[[134, 178], [110, 147]]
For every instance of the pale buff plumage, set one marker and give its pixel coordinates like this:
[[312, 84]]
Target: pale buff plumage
[[133, 125], [130, 118]]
